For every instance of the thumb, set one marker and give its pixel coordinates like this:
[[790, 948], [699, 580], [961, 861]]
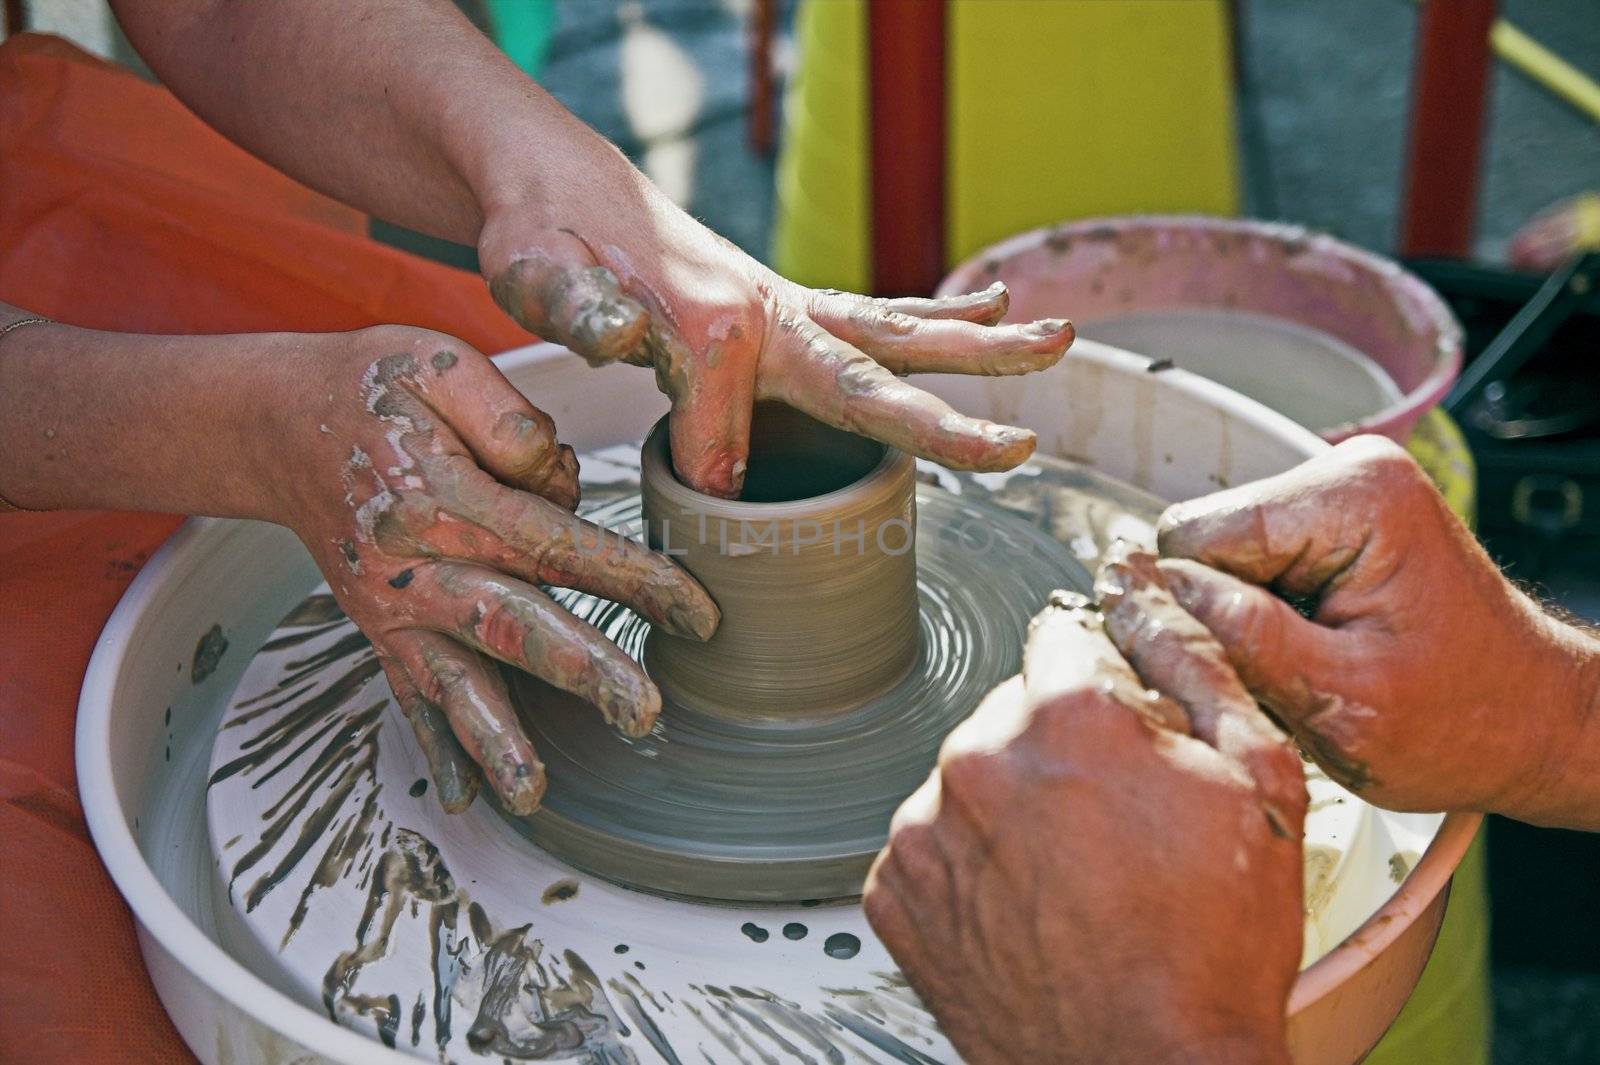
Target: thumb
[[557, 290], [1280, 655]]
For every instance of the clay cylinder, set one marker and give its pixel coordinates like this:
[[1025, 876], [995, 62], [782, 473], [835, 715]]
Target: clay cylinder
[[814, 569]]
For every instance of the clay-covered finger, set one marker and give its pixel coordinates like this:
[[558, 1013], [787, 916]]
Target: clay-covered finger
[[472, 694], [520, 625], [906, 344], [984, 307], [510, 437], [1274, 648], [539, 541], [559, 292], [1067, 650], [455, 777], [835, 383], [709, 430], [1299, 530], [1175, 654]]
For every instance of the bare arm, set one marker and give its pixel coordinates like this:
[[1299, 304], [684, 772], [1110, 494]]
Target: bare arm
[[117, 421], [377, 447], [1422, 679], [402, 108]]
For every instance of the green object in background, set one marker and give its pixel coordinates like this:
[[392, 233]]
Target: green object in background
[[821, 236], [522, 29], [1448, 1019]]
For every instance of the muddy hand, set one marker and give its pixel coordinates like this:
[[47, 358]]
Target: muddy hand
[[644, 283], [1419, 676], [436, 500], [1105, 866]]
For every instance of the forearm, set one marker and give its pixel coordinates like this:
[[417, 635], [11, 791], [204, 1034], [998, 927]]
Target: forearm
[[1564, 783], [117, 421], [404, 110]]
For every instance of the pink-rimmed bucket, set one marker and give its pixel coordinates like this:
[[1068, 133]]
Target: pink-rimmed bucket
[[1107, 273]]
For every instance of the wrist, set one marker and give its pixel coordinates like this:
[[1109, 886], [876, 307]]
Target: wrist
[[1230, 1048], [1562, 716], [531, 157]]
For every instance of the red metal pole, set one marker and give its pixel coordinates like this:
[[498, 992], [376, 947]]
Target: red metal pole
[[759, 118], [906, 52], [1448, 102]]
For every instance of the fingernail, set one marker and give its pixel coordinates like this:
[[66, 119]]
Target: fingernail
[[525, 789], [695, 624], [1047, 327], [624, 706], [1011, 439], [1181, 588]]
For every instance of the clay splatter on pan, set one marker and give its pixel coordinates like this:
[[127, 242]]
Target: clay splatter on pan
[[494, 984], [560, 891], [207, 653]]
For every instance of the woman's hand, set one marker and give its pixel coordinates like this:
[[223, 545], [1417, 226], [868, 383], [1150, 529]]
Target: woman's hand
[[1419, 676], [435, 499], [624, 274], [407, 111], [1106, 864]]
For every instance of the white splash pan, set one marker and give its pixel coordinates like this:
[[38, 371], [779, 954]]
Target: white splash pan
[[142, 779]]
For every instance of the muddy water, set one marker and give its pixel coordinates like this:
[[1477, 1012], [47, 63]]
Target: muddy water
[[1316, 379]]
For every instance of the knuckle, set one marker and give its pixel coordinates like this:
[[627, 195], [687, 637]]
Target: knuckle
[[1382, 461], [882, 909], [968, 777], [532, 437], [912, 839], [880, 319]]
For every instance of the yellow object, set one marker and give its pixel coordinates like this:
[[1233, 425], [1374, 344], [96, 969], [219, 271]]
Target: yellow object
[[1545, 67], [822, 234], [1055, 111], [1448, 1018], [1082, 108], [1440, 449], [1586, 222]]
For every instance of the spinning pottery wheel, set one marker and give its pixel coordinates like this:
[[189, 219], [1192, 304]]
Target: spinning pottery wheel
[[299, 890], [861, 622]]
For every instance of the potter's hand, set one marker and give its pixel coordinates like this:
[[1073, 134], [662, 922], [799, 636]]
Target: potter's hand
[[434, 498], [1422, 679], [407, 111], [629, 276], [1097, 872]]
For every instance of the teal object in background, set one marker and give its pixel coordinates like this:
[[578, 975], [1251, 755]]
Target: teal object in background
[[522, 29]]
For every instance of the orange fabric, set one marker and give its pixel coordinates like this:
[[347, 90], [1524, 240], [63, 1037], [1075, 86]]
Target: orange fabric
[[121, 210]]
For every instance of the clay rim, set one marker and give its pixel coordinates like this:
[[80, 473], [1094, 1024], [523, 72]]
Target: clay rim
[[655, 463], [1406, 287], [162, 922], [165, 927], [1334, 970]]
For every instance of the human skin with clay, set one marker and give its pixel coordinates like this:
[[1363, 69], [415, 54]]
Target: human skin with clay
[[424, 490], [1418, 676], [433, 497], [407, 111], [1075, 879], [1345, 597]]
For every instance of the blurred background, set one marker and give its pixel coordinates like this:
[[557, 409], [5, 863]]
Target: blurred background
[[876, 146]]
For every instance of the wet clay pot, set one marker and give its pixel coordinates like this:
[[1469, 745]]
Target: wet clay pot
[[814, 569]]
